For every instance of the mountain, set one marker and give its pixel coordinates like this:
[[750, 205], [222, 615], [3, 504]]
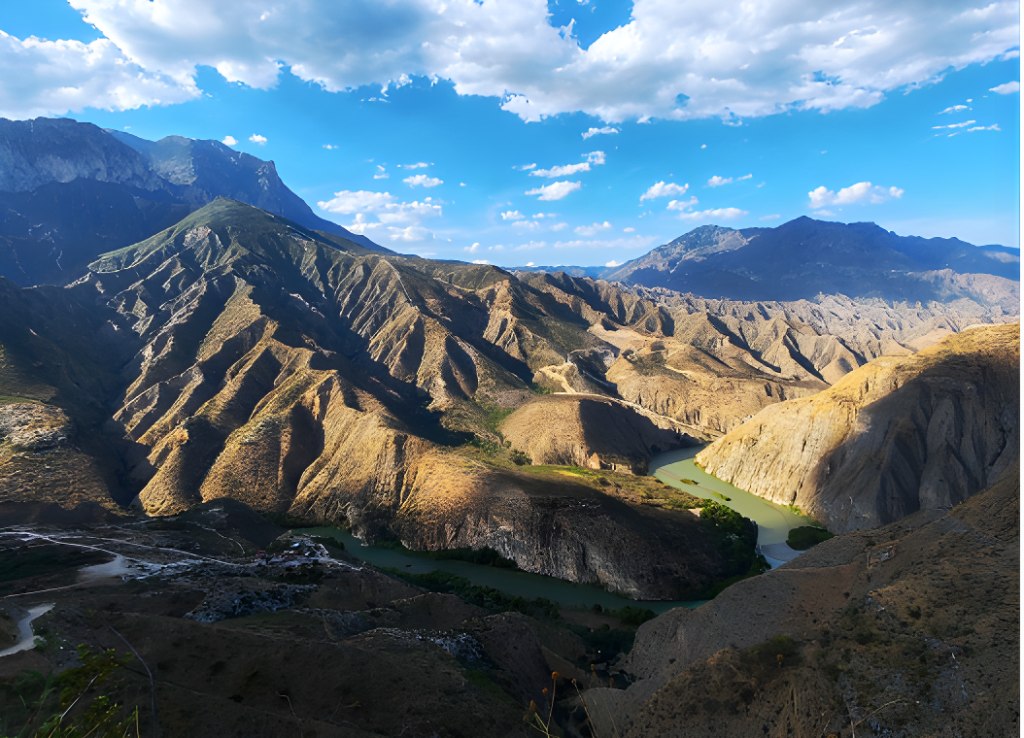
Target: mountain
[[70, 191], [239, 355], [897, 435], [805, 257]]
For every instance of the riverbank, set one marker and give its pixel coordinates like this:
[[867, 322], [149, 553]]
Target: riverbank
[[679, 469]]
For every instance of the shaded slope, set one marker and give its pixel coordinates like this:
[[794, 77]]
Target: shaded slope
[[895, 436]]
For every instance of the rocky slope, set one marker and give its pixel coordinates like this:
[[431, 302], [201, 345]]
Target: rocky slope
[[909, 629], [243, 356], [895, 436], [806, 257], [70, 191]]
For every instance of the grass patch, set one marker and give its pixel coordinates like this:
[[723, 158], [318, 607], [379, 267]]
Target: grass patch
[[805, 536]]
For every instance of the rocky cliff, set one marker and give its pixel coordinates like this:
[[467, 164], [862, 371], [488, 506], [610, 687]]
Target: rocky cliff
[[895, 436]]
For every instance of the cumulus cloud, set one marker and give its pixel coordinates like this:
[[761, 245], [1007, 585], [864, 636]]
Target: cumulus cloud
[[258, 139], [380, 215], [43, 77], [555, 190], [1007, 88], [329, 147], [698, 59], [473, 247], [423, 180], [381, 173], [229, 141], [593, 158], [717, 181], [861, 192], [593, 229], [512, 215], [664, 189], [611, 264], [602, 131]]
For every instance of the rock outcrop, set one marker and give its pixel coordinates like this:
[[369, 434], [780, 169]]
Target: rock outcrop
[[898, 435]]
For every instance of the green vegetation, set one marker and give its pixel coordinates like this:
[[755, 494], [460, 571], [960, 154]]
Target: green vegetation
[[737, 540], [73, 704], [488, 598], [805, 536]]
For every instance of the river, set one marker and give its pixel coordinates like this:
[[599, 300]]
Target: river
[[510, 581], [773, 521]]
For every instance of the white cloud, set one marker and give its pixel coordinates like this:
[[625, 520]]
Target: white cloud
[[555, 190], [629, 229], [717, 181], [526, 167], [974, 129], [564, 170], [602, 131], [381, 173], [681, 205], [43, 77], [861, 192], [422, 180], [593, 229], [481, 262], [512, 215], [330, 147], [664, 189], [670, 60], [612, 263], [770, 216], [963, 124], [954, 109], [1007, 88], [229, 141], [713, 214], [473, 247], [380, 216], [258, 139], [416, 165], [593, 158]]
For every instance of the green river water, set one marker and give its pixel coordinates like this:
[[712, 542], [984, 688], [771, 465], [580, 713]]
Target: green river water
[[774, 523]]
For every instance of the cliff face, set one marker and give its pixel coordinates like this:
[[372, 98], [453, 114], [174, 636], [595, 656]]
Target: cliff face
[[909, 629], [895, 436]]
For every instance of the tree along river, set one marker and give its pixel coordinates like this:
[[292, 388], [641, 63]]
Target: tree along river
[[774, 523]]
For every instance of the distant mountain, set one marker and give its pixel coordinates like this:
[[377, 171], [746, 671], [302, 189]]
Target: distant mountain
[[70, 191], [806, 257]]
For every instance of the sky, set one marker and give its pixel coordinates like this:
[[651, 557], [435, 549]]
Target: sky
[[519, 132]]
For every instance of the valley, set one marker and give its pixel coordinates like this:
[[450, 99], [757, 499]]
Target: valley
[[290, 480]]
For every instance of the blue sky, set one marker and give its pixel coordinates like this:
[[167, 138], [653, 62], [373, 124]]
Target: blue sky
[[565, 132]]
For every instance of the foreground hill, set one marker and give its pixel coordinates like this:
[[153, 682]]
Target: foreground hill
[[895, 436], [806, 257], [905, 630], [70, 191]]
